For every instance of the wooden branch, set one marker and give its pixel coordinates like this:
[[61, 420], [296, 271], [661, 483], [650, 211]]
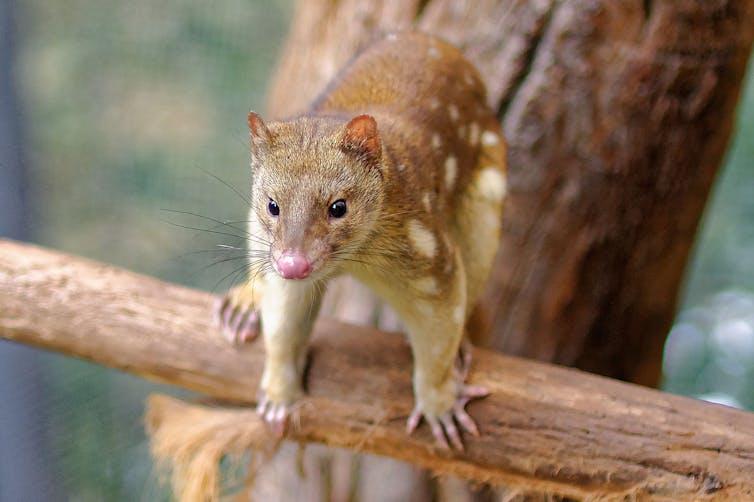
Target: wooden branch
[[544, 427]]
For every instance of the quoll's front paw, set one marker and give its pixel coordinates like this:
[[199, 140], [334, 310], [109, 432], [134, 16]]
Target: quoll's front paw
[[237, 315], [443, 425], [274, 414]]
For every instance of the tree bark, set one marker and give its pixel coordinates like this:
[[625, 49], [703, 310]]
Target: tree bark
[[617, 115], [544, 427]]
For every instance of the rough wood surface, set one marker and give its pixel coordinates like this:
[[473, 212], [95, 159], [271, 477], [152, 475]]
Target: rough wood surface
[[544, 427], [616, 132]]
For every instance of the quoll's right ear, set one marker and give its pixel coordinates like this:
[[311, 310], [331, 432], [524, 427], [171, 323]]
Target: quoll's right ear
[[260, 134], [361, 137]]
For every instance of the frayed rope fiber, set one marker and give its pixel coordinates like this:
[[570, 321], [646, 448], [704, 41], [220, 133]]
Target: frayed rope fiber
[[192, 440]]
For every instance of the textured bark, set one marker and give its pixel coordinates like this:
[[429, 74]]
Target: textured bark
[[544, 427], [617, 114], [616, 134]]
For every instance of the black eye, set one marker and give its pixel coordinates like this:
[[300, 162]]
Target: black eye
[[338, 209], [273, 208]]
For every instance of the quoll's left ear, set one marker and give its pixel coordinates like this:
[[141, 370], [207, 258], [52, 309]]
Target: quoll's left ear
[[361, 137], [260, 134]]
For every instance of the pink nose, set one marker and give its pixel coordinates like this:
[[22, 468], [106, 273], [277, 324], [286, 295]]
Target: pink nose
[[293, 266]]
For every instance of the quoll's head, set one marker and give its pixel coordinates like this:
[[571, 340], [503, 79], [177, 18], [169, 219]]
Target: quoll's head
[[317, 187]]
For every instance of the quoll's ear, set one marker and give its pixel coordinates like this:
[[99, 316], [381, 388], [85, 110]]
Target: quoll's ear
[[361, 137], [260, 135]]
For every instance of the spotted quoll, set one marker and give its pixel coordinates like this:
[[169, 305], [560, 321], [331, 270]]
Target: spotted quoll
[[396, 175]]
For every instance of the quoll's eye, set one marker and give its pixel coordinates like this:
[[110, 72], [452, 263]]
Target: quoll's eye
[[273, 208], [338, 209]]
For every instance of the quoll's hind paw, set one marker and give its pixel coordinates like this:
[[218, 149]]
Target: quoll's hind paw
[[275, 415], [239, 323], [444, 426]]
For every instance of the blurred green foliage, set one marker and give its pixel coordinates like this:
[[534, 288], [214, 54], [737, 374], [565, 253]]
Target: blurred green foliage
[[130, 105], [136, 112], [133, 108], [710, 351], [724, 256]]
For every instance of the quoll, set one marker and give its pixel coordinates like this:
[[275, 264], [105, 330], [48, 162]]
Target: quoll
[[396, 175]]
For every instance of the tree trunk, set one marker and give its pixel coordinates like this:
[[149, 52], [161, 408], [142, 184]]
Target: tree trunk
[[617, 115], [616, 133]]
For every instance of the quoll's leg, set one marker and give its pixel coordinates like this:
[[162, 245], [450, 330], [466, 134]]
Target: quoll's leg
[[435, 331], [442, 418], [289, 309], [237, 313]]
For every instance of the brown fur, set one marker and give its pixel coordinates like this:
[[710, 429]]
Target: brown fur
[[402, 135]]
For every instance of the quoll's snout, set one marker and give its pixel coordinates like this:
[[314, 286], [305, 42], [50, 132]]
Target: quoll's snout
[[293, 265]]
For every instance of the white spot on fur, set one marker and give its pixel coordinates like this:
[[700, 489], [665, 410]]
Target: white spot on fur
[[434, 103], [427, 201], [491, 184], [401, 167], [436, 140], [451, 171], [458, 314], [453, 112], [473, 133], [427, 285], [433, 52], [489, 138], [421, 238]]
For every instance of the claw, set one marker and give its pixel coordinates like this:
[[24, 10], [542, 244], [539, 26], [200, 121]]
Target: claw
[[413, 420], [235, 321], [473, 392], [250, 328], [262, 405], [444, 427], [451, 430], [464, 419], [217, 311], [438, 433]]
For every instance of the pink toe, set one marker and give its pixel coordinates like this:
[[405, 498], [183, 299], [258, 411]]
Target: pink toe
[[452, 431], [467, 423], [250, 328], [217, 311], [413, 421], [438, 433], [474, 391]]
